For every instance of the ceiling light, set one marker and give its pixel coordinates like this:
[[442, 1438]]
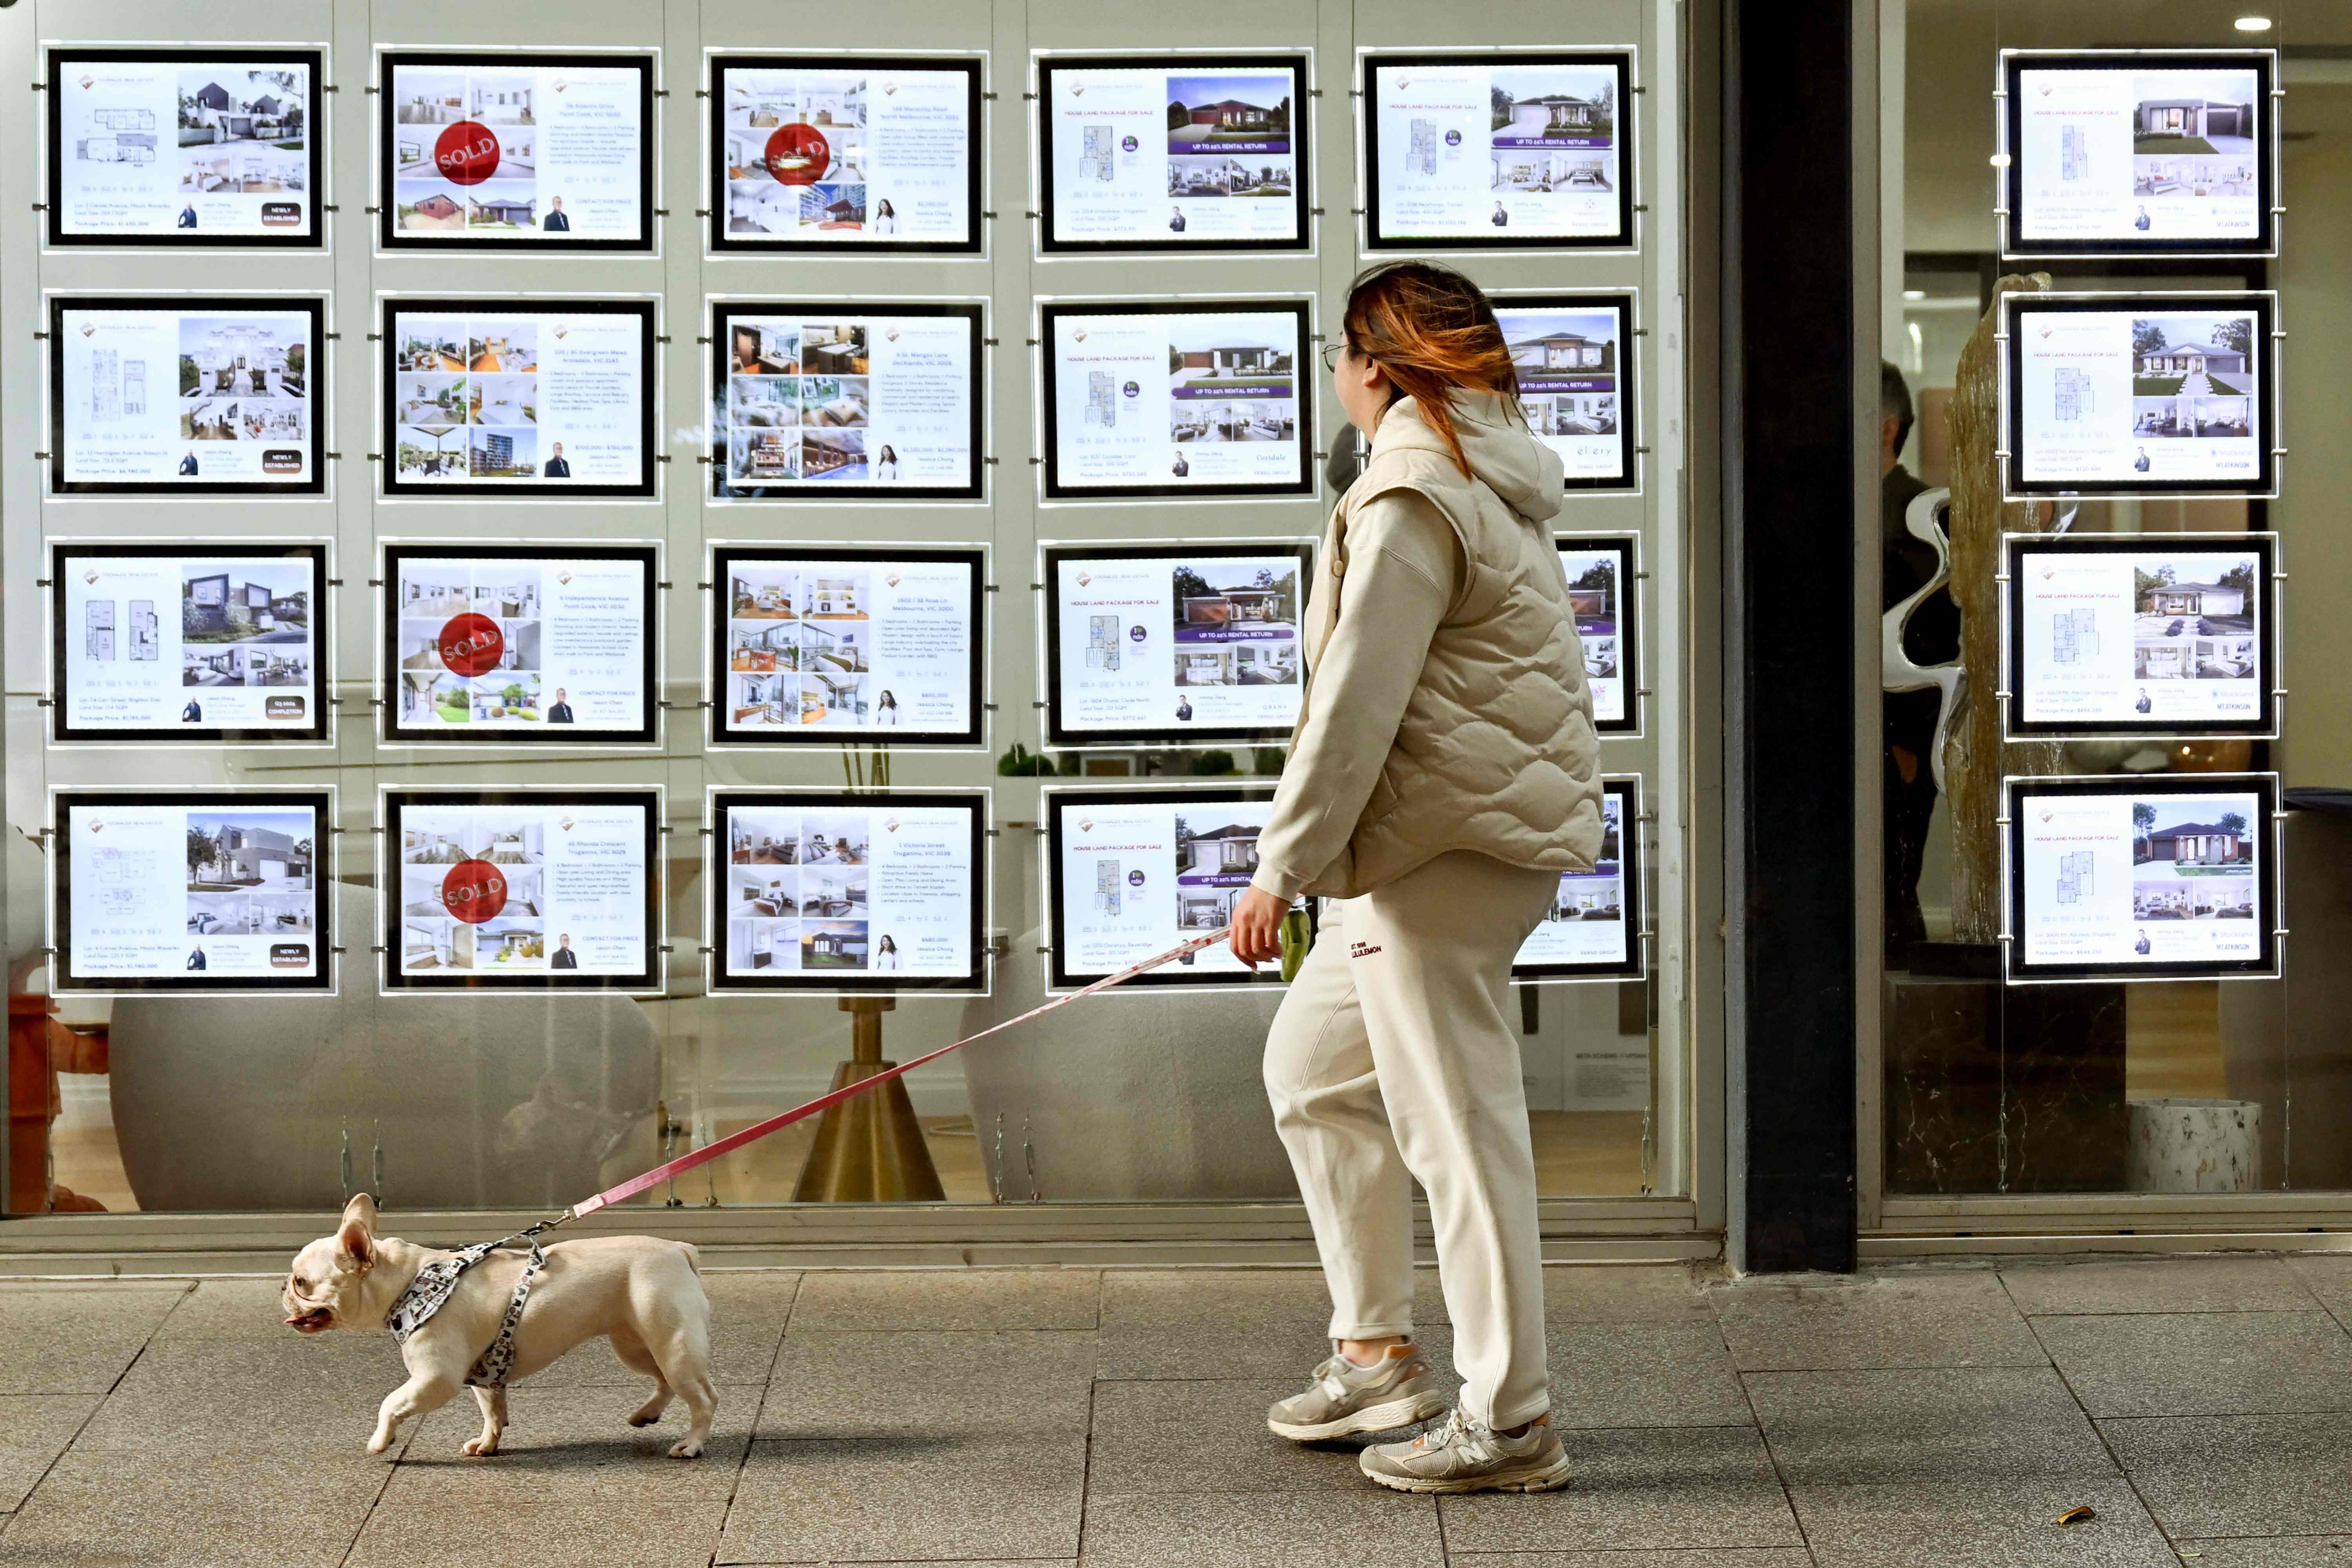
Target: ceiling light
[[2253, 24]]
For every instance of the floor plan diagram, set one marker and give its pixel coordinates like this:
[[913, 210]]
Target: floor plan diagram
[[2075, 881], [2074, 636]]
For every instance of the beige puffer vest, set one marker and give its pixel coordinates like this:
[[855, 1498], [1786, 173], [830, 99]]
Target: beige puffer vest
[[1497, 752]]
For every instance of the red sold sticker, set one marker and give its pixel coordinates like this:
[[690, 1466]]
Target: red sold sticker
[[467, 153], [798, 155], [474, 891], [472, 644]]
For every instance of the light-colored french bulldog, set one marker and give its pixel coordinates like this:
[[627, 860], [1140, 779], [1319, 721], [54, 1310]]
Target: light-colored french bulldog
[[645, 1295]]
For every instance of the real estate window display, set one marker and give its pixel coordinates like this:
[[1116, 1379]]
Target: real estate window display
[[458, 280]]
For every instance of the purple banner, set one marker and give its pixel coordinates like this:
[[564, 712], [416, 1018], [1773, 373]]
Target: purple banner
[[1234, 389], [1277, 632], [1602, 142], [1568, 384], [1204, 149]]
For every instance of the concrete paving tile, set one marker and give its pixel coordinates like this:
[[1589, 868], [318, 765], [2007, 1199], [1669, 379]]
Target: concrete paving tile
[[748, 1309], [314, 1395], [1258, 1531], [2240, 1474], [1208, 1347], [2158, 1285], [526, 1532], [2203, 1363], [33, 1430], [1235, 1296], [77, 1339], [918, 1495], [1623, 1293], [2271, 1551], [1136, 1427], [224, 1513], [1688, 1488], [574, 1443], [840, 1385], [2328, 1277], [1643, 1375], [1925, 1424], [1935, 1524], [1955, 1318], [1699, 1557], [949, 1299]]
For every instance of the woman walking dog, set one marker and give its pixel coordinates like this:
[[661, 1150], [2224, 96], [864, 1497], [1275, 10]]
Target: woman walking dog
[[1440, 779]]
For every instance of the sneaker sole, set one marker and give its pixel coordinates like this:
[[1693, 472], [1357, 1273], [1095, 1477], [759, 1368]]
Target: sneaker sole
[[1542, 1478], [1396, 1413]]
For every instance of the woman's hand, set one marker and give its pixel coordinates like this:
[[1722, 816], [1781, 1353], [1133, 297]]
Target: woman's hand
[[1256, 935]]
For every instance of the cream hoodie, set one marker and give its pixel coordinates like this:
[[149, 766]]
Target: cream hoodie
[[1446, 707]]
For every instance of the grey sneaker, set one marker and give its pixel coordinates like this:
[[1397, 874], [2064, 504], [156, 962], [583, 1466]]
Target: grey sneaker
[[1397, 1390], [1464, 1455]]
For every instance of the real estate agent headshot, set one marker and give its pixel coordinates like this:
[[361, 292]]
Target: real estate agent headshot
[[1441, 776], [557, 468], [556, 222], [563, 957], [560, 711]]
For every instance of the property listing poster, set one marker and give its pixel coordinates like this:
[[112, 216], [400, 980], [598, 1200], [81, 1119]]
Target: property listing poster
[[1567, 354], [845, 892], [186, 393], [824, 399], [183, 146], [819, 646], [2156, 639], [516, 148], [1200, 639], [1593, 922], [1600, 576], [2121, 881], [494, 647], [545, 887], [509, 397], [846, 152], [1173, 152], [2142, 156], [1135, 876], [2140, 398], [191, 893], [1503, 150], [197, 642], [1167, 401]]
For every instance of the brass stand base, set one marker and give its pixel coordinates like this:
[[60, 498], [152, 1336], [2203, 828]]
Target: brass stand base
[[869, 1149]]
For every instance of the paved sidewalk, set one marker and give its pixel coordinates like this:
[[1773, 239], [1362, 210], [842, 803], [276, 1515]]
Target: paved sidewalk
[[1940, 1414]]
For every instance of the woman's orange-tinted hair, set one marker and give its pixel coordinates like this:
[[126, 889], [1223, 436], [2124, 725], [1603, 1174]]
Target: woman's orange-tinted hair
[[1432, 332]]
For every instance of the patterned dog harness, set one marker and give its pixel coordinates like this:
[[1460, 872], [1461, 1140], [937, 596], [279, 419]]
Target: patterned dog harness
[[431, 1291]]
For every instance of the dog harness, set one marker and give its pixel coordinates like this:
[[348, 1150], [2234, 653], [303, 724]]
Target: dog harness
[[437, 1281]]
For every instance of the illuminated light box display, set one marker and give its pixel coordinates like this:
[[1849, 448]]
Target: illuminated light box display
[[186, 395], [514, 149], [1174, 643], [2147, 394], [520, 889], [523, 396], [188, 147], [2160, 877], [540, 644], [221, 641], [1603, 571], [846, 152], [1575, 358], [830, 400], [1177, 398], [832, 892], [2141, 635], [816, 645], [1498, 149], [1178, 151], [191, 891], [2122, 152], [1134, 872], [1594, 928]]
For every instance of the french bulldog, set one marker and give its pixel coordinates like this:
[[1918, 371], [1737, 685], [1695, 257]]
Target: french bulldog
[[643, 1294]]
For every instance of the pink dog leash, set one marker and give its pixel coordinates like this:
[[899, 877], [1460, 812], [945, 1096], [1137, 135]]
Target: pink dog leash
[[822, 1102]]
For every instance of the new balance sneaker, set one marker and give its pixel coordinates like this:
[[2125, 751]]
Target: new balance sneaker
[[1397, 1390], [1466, 1455]]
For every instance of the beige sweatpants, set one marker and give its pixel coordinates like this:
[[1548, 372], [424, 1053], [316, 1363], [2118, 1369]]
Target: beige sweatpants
[[1392, 1060]]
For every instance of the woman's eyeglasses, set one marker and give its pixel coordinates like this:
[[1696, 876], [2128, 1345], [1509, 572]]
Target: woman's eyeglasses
[[1331, 352]]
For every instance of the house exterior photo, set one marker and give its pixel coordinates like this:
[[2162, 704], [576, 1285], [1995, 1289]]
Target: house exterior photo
[[252, 855], [2195, 599], [1231, 114], [2189, 359], [1552, 114], [1235, 361], [437, 211], [1563, 351], [2197, 844], [1233, 604], [1230, 850], [2192, 117]]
